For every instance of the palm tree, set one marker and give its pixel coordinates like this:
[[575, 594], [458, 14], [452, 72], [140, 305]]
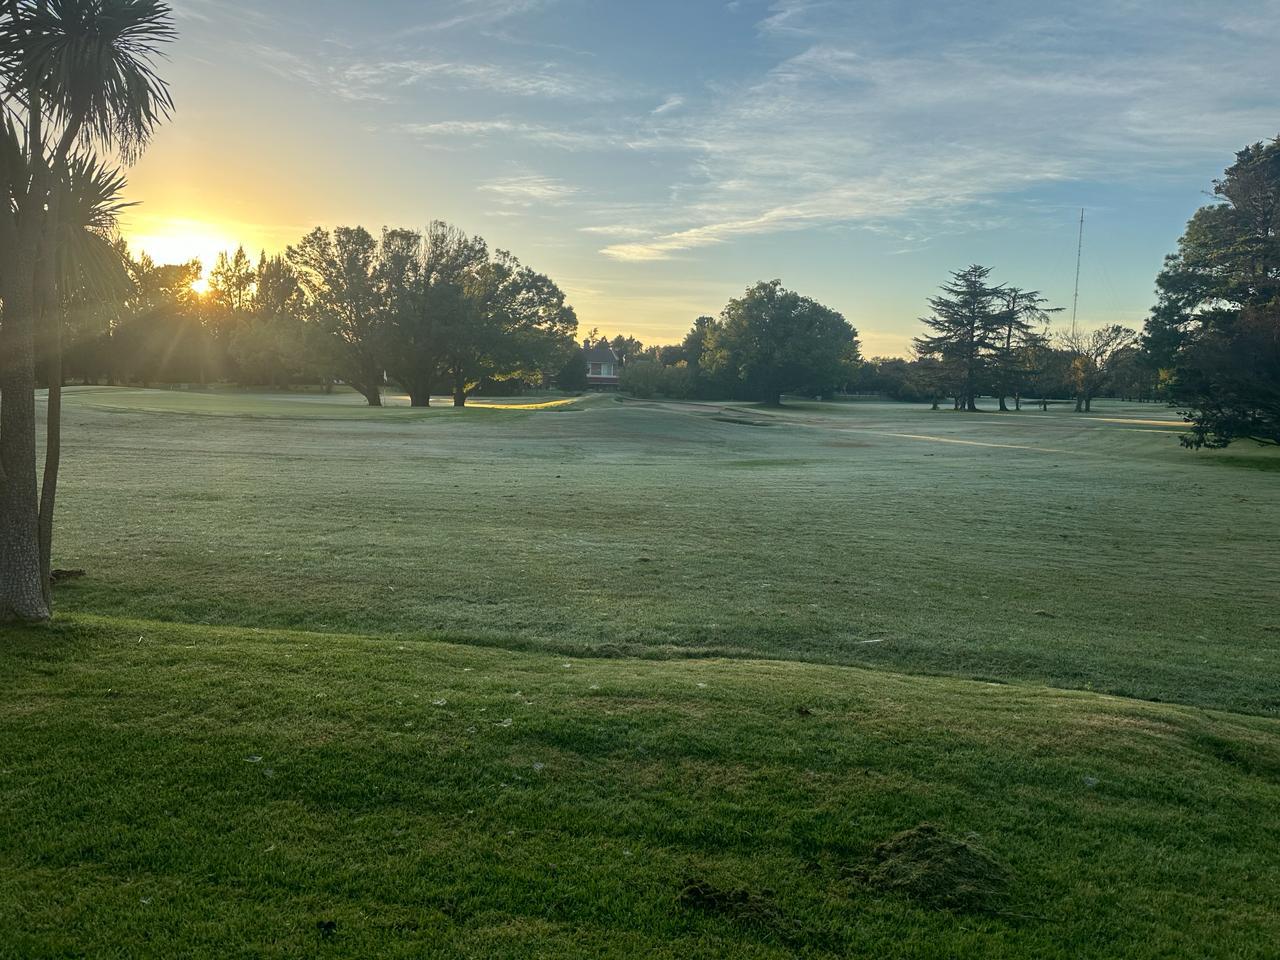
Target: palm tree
[[86, 266], [75, 76]]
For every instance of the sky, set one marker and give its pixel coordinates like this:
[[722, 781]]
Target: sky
[[656, 158]]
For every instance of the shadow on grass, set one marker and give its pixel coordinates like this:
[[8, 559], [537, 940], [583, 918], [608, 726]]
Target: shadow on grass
[[1263, 462]]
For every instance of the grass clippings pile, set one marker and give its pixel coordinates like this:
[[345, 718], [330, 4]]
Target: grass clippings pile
[[939, 870]]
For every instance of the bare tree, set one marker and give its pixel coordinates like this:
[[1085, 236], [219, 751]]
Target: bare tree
[[1091, 355]]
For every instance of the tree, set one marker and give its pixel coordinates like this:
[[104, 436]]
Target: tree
[[270, 344], [339, 276], [1133, 377], [771, 341], [513, 323], [75, 76], [232, 281], [641, 378], [85, 268], [1015, 342], [425, 298], [1216, 324], [572, 376], [1091, 359], [627, 348], [968, 320], [160, 334]]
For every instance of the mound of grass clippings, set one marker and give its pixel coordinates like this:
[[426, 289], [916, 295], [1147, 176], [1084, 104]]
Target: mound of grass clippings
[[940, 870]]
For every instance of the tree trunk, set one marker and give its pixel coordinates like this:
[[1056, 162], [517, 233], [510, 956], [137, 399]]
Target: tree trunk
[[418, 398], [1003, 408], [372, 394], [459, 389], [1079, 405], [52, 453], [21, 591], [971, 405]]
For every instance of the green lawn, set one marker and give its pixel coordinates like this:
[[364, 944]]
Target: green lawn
[[622, 679], [215, 792], [1078, 552]]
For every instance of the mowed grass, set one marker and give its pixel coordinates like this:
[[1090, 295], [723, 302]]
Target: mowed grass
[[177, 790], [682, 700], [1083, 552]]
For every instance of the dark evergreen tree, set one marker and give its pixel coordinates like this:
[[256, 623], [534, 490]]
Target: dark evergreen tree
[[1216, 326], [968, 321]]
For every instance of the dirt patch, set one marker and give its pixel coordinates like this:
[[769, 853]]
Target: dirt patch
[[939, 870]]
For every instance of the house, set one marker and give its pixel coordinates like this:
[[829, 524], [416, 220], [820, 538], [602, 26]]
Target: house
[[603, 366]]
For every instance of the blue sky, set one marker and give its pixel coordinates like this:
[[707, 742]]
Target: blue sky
[[656, 158]]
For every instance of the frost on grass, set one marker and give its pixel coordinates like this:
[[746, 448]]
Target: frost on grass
[[939, 870]]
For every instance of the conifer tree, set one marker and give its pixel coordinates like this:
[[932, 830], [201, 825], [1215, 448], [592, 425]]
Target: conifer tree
[[969, 316]]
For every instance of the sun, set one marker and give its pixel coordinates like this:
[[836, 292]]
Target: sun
[[181, 240]]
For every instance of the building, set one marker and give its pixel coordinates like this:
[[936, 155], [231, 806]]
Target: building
[[603, 366]]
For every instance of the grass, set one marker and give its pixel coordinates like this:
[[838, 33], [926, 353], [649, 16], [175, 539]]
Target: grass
[[619, 679], [221, 792], [1086, 552]]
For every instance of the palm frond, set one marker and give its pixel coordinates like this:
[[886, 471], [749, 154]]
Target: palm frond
[[92, 62], [87, 201]]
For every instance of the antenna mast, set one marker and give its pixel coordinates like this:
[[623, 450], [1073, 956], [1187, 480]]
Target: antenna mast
[[1075, 300]]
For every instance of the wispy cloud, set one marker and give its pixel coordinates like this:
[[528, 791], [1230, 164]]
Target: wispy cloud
[[443, 133], [673, 102], [528, 190], [869, 126], [477, 13], [364, 76]]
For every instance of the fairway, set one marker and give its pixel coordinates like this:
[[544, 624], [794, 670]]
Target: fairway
[[530, 679], [1046, 547]]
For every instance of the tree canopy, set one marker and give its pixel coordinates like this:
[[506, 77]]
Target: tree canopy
[[1216, 324], [772, 341]]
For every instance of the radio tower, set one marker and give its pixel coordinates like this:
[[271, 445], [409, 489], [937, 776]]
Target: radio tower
[[1075, 300]]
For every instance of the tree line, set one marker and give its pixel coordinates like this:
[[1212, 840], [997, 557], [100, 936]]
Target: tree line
[[768, 342], [428, 311], [983, 339]]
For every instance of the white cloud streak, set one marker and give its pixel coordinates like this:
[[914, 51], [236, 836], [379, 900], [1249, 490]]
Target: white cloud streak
[[528, 190]]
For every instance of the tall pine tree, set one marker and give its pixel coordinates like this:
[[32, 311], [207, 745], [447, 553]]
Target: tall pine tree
[[968, 323]]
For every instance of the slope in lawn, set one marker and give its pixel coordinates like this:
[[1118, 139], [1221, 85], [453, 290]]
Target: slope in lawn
[[179, 790], [203, 792]]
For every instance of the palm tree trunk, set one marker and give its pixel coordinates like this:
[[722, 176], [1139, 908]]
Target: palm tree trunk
[[52, 456], [21, 592]]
